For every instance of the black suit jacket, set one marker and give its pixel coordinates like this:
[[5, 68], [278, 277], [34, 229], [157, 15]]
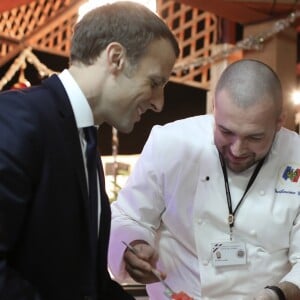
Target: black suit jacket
[[47, 249]]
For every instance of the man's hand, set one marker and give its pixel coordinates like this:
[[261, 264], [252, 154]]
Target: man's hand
[[266, 294], [139, 265]]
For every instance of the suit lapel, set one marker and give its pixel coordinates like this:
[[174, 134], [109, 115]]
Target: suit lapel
[[71, 137], [70, 132], [105, 220]]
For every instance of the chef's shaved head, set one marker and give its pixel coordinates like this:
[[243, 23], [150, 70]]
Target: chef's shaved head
[[250, 81]]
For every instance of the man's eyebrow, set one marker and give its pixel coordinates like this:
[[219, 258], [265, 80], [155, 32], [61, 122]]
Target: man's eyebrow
[[222, 127], [257, 134], [159, 79]]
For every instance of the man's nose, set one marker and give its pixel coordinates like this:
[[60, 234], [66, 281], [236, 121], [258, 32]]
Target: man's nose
[[158, 100], [238, 147]]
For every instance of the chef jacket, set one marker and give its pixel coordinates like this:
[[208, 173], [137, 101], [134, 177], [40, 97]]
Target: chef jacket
[[175, 200]]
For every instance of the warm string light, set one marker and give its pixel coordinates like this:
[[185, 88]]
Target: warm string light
[[249, 43], [25, 56], [91, 4], [296, 97]]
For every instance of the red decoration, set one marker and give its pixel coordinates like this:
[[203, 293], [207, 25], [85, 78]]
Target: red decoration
[[23, 82], [181, 296]]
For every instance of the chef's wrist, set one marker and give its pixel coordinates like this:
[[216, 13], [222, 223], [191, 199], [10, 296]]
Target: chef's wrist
[[277, 290], [290, 290]]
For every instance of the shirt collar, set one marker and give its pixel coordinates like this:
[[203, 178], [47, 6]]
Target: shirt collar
[[81, 108]]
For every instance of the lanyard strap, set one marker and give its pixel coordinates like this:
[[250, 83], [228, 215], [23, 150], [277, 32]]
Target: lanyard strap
[[232, 213]]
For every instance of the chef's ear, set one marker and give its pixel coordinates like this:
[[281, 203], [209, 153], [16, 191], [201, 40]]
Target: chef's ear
[[281, 120]]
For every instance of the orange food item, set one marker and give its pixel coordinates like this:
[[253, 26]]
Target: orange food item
[[181, 296]]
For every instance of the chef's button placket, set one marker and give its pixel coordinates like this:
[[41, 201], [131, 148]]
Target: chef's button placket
[[253, 232], [205, 262], [200, 221], [262, 192]]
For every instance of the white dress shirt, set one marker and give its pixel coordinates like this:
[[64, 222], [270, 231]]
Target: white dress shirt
[[83, 117]]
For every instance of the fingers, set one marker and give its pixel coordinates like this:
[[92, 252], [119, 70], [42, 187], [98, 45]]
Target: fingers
[[140, 263], [137, 261], [140, 275]]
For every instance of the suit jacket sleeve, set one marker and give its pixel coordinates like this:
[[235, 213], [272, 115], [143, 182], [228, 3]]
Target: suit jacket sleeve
[[17, 179], [116, 292]]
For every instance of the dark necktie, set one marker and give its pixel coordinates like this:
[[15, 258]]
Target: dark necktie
[[91, 159]]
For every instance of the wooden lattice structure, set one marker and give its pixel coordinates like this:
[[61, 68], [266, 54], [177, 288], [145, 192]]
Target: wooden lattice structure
[[196, 32], [44, 25]]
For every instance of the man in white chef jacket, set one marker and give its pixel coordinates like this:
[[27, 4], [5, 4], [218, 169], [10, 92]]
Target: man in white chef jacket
[[214, 200]]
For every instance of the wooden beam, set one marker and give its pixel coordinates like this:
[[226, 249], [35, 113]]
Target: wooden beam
[[10, 55], [233, 11], [266, 2], [8, 5]]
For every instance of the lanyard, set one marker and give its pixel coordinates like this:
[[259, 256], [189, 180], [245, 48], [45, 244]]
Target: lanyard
[[232, 213]]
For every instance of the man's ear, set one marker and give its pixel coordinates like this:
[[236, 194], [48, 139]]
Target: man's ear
[[116, 55], [281, 119]]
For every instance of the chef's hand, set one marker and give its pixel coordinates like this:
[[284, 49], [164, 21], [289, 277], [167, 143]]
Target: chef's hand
[[266, 294], [139, 265]]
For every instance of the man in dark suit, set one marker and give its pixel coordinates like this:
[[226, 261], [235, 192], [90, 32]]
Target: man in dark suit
[[121, 58]]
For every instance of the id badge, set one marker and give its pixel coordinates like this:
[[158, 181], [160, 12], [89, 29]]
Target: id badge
[[228, 254]]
